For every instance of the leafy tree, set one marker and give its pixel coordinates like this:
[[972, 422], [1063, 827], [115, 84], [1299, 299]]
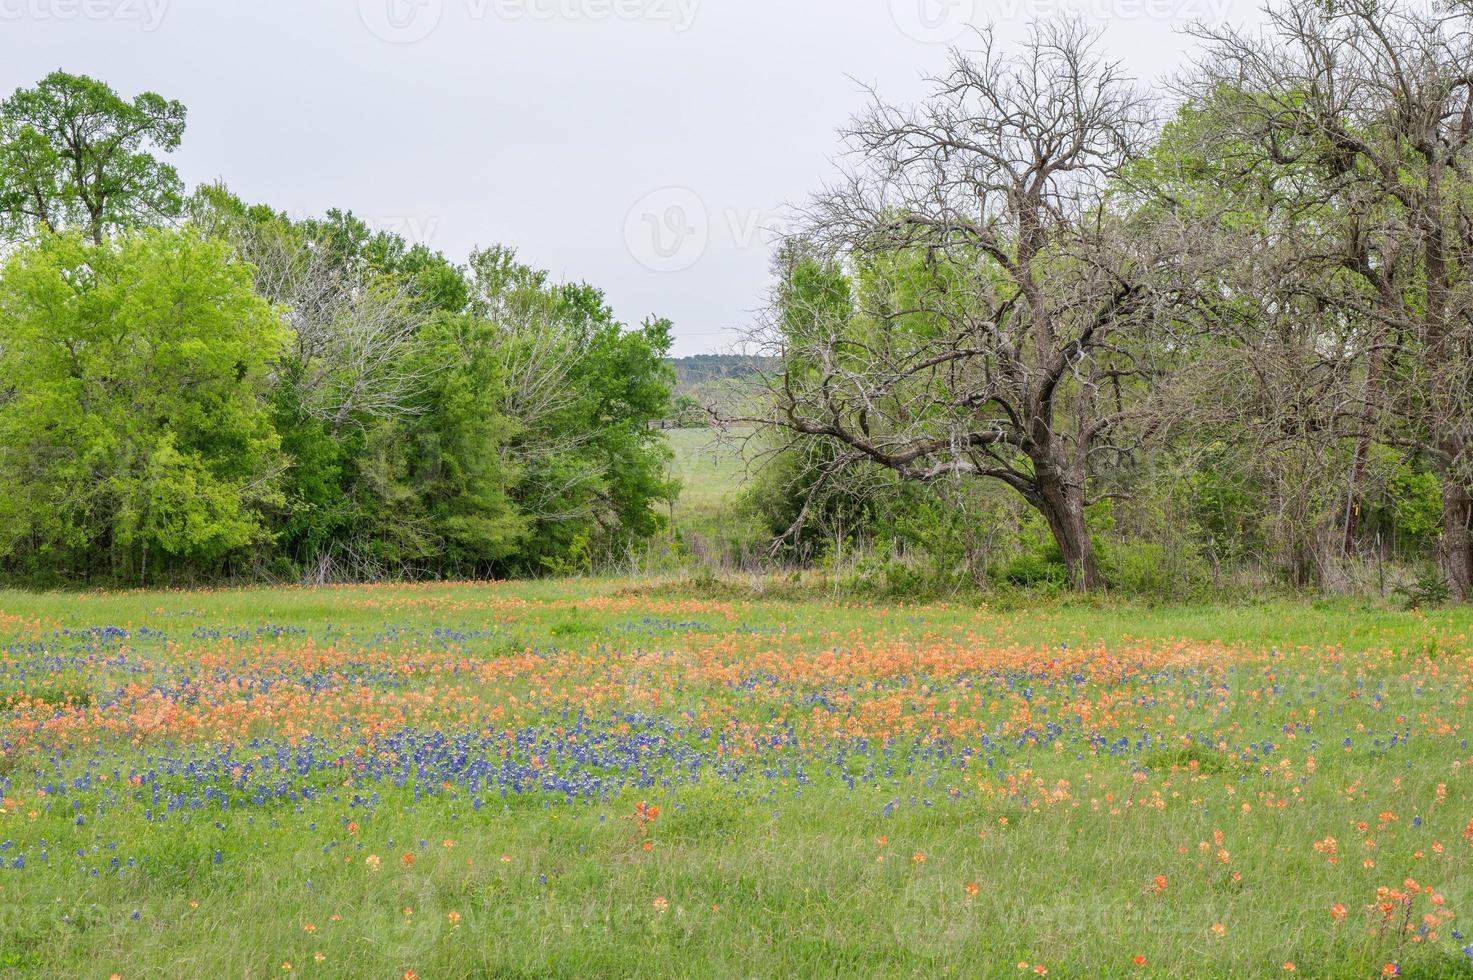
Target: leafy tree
[[1260, 395], [1358, 111], [76, 155], [454, 510], [435, 283], [585, 392], [444, 420], [353, 370], [134, 436]]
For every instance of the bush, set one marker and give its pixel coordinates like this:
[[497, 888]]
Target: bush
[[137, 441], [1429, 591], [1031, 569]]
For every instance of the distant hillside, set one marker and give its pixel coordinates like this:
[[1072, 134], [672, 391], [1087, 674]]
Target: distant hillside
[[730, 384], [701, 369]]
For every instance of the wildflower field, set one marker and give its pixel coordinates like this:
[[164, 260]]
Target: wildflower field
[[619, 779]]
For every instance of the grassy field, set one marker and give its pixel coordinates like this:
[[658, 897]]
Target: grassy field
[[710, 471], [623, 779]]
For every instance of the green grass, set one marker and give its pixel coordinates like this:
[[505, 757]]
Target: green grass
[[777, 871], [708, 519], [710, 471]]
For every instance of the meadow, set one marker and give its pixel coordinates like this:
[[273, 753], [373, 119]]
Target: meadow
[[617, 778], [707, 469]]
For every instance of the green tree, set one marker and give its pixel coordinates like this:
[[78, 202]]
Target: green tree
[[442, 478], [585, 392], [134, 436], [442, 420], [76, 155]]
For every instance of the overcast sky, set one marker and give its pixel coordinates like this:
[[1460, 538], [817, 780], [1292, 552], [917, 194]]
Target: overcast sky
[[641, 145]]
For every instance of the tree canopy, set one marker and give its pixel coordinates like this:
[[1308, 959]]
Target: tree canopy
[[133, 427], [1043, 328], [75, 155], [205, 387]]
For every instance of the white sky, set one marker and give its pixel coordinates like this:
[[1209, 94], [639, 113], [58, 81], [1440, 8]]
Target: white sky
[[640, 145]]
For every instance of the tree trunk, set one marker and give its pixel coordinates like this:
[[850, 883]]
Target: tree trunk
[[1457, 536], [1062, 506], [1354, 502], [1350, 544]]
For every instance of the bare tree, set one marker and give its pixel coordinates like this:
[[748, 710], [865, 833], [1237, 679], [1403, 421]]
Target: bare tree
[[999, 304], [354, 335], [1374, 100], [538, 352]]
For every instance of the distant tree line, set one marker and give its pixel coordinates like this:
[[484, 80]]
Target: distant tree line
[[1045, 330], [192, 387], [1047, 327], [698, 369]]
